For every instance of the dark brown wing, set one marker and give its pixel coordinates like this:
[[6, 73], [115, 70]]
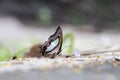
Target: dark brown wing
[[56, 49]]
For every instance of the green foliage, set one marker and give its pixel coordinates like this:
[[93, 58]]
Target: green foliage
[[45, 15], [68, 43], [21, 53], [5, 53]]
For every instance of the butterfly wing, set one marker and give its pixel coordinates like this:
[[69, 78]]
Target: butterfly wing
[[54, 44]]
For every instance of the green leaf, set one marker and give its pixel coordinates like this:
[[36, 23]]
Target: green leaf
[[68, 43], [5, 54], [21, 53]]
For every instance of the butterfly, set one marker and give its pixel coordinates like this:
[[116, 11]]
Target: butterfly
[[50, 48]]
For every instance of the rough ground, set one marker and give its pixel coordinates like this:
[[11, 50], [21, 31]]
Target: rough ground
[[84, 68]]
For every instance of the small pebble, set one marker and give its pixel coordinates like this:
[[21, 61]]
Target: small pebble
[[76, 53]]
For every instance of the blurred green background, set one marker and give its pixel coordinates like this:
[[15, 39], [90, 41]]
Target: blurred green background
[[99, 13]]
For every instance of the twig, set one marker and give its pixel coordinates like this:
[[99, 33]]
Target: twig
[[98, 51]]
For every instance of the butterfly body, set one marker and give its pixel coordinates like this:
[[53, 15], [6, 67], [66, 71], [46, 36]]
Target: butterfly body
[[50, 48], [35, 51]]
